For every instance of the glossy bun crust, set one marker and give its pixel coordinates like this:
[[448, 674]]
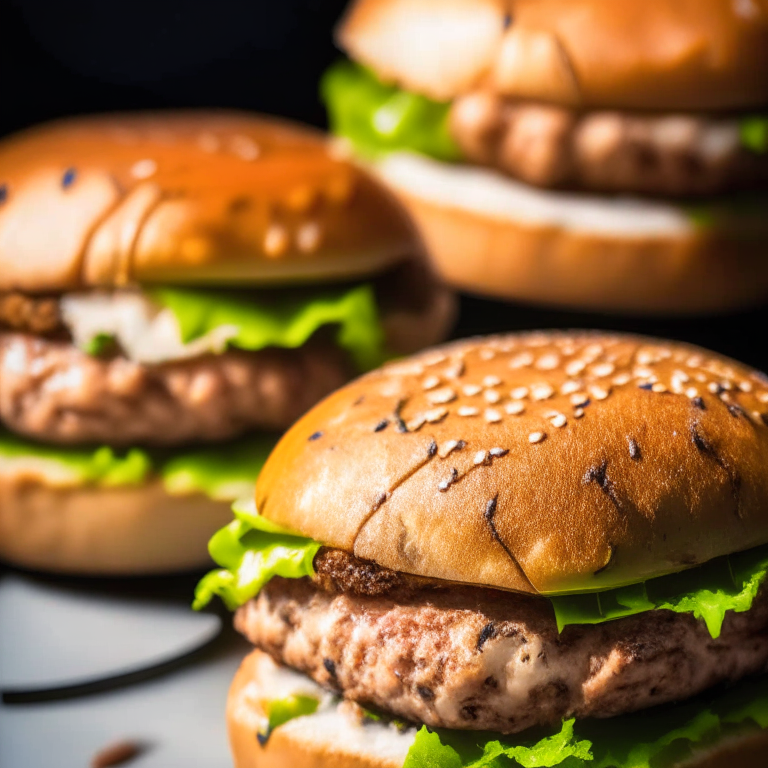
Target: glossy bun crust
[[635, 54], [210, 198], [303, 743], [548, 463]]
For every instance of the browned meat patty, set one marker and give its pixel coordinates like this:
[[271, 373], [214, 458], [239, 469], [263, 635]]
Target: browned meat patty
[[52, 391], [30, 313], [473, 658], [552, 146]]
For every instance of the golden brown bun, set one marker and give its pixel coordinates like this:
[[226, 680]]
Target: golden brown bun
[[293, 745], [305, 746], [701, 271], [503, 478], [495, 236], [188, 198], [92, 531], [658, 54]]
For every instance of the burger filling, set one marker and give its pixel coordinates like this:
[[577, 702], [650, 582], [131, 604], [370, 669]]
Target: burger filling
[[473, 660], [684, 155], [86, 378]]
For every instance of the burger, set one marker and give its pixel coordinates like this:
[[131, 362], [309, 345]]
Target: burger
[[582, 153], [534, 550], [175, 290]]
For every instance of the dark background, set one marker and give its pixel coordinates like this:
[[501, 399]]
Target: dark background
[[67, 57]]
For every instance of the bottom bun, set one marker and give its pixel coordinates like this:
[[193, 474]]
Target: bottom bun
[[334, 738], [92, 531], [494, 236]]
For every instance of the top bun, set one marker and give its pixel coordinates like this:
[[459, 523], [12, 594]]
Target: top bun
[[546, 463], [188, 198], [633, 54]]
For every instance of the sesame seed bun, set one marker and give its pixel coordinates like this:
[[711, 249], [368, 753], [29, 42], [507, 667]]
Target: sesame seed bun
[[664, 54], [210, 198], [334, 739], [93, 531], [492, 235], [542, 463]]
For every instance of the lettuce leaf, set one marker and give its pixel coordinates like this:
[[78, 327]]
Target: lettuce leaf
[[753, 132], [251, 551], [655, 738], [281, 711], [708, 592], [379, 118], [282, 319], [224, 472]]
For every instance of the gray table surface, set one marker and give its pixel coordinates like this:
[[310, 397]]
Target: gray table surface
[[179, 714]]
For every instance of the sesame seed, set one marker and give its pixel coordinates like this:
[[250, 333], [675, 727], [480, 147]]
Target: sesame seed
[[143, 169], [726, 384], [416, 423], [521, 360], [621, 379], [641, 372], [658, 387], [492, 416], [487, 354], [315, 436], [519, 393], [449, 447], [646, 385], [691, 392], [491, 396], [594, 350], [444, 485], [3, 193], [579, 398], [542, 391], [441, 396], [470, 390], [714, 387], [575, 367], [68, 179], [745, 386], [308, 237], [548, 362], [699, 403], [480, 458], [467, 410], [276, 240], [382, 425], [757, 417], [694, 361], [514, 409], [762, 397], [681, 376], [599, 393], [570, 386], [498, 452], [245, 148], [432, 449], [700, 377], [644, 357], [536, 437], [558, 420], [601, 370], [430, 382], [435, 415], [578, 413], [454, 371], [491, 381], [208, 142]]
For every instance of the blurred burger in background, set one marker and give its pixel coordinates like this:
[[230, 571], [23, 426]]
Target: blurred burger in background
[[580, 153], [174, 290]]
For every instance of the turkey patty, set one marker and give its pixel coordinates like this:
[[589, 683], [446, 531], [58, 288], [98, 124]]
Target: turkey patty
[[474, 658]]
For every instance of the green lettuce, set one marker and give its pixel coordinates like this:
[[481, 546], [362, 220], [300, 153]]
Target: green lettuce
[[224, 473], [251, 551], [753, 132], [281, 711], [655, 738], [379, 118], [708, 592], [281, 319]]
